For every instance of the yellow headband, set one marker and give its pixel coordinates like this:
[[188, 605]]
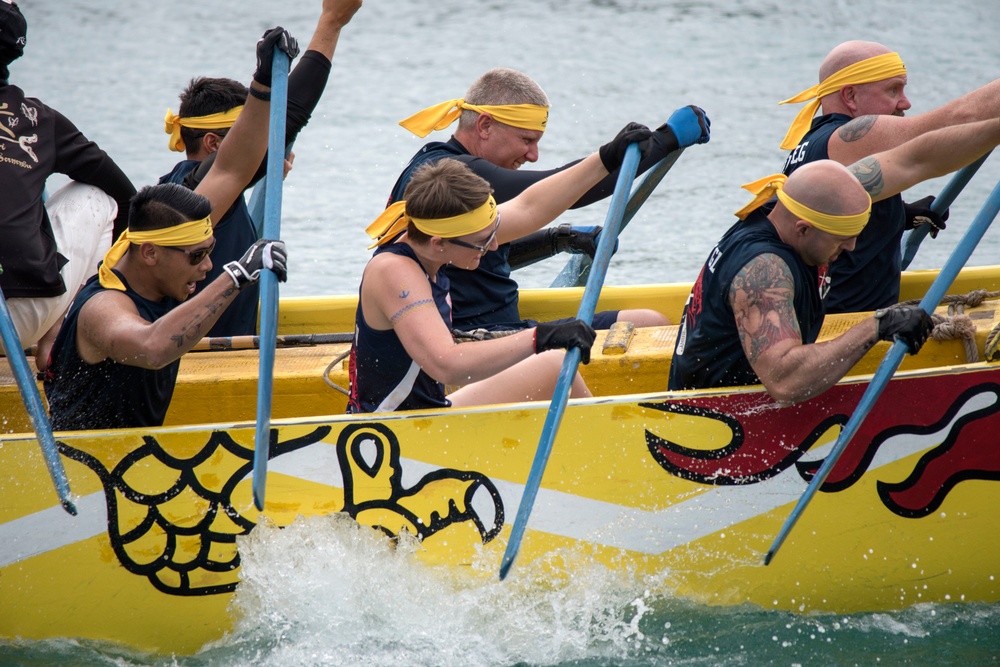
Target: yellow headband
[[440, 116], [840, 225], [878, 68], [173, 123], [394, 220], [186, 233]]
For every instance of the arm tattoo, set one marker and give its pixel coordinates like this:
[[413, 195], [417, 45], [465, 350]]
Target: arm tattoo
[[856, 129], [409, 308], [761, 295], [869, 171], [195, 329]]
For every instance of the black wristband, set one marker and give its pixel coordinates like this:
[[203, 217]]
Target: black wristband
[[260, 94]]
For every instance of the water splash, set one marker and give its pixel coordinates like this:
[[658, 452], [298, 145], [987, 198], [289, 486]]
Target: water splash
[[325, 591]]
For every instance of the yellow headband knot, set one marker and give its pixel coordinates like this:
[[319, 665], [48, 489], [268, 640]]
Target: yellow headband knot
[[878, 68], [173, 123], [394, 220], [187, 233], [839, 225], [762, 189], [440, 116]]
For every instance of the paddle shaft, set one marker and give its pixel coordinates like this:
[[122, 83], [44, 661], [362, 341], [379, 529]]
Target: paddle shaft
[[560, 395], [941, 204], [577, 269], [258, 199], [268, 281], [892, 359], [223, 343], [33, 403]]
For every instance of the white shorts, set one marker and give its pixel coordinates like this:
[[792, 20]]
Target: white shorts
[[82, 219]]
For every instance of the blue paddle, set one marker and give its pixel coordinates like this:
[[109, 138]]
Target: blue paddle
[[268, 281], [258, 197], [941, 204], [572, 360], [577, 269], [33, 402], [893, 358]]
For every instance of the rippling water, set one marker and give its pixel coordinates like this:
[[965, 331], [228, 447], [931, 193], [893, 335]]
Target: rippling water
[[115, 66]]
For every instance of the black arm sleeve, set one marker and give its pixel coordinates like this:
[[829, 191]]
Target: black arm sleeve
[[509, 183], [306, 83], [84, 161]]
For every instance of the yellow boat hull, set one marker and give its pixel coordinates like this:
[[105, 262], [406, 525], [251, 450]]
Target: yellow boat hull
[[689, 486]]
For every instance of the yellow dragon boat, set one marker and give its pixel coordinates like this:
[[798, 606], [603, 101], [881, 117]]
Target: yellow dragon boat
[[690, 486]]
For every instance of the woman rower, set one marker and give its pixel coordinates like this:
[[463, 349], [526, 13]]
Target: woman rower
[[404, 353]]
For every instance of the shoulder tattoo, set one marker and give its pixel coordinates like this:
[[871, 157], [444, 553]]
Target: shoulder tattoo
[[856, 129], [869, 171], [762, 296]]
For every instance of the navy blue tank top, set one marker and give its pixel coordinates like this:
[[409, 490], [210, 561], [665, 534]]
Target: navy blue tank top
[[234, 233], [383, 376], [866, 278], [106, 394], [708, 352], [486, 296]]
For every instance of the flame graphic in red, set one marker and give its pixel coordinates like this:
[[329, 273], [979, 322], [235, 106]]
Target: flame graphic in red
[[961, 410]]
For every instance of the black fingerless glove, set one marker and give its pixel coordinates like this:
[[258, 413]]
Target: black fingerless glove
[[263, 254], [909, 324], [613, 153], [565, 335], [275, 38], [920, 213]]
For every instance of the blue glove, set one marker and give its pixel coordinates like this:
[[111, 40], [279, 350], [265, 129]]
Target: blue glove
[[690, 126]]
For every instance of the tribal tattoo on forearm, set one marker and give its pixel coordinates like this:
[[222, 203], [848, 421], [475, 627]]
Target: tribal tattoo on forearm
[[194, 330], [762, 296]]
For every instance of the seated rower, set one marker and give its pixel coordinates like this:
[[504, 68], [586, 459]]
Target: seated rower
[[404, 353], [501, 121], [755, 312], [115, 360]]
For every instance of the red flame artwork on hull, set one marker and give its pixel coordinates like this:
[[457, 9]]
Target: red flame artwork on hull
[[953, 419]]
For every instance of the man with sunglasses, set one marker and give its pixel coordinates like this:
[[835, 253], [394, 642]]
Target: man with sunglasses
[[501, 120], [208, 108], [115, 361]]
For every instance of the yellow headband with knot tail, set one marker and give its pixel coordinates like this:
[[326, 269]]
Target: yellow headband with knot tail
[[870, 70], [440, 116], [394, 220], [173, 123], [186, 233], [839, 225]]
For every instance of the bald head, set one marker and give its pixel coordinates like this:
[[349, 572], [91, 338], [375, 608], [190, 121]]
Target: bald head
[[828, 187], [846, 54]]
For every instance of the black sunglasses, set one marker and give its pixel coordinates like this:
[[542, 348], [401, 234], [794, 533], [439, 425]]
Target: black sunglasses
[[196, 257]]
